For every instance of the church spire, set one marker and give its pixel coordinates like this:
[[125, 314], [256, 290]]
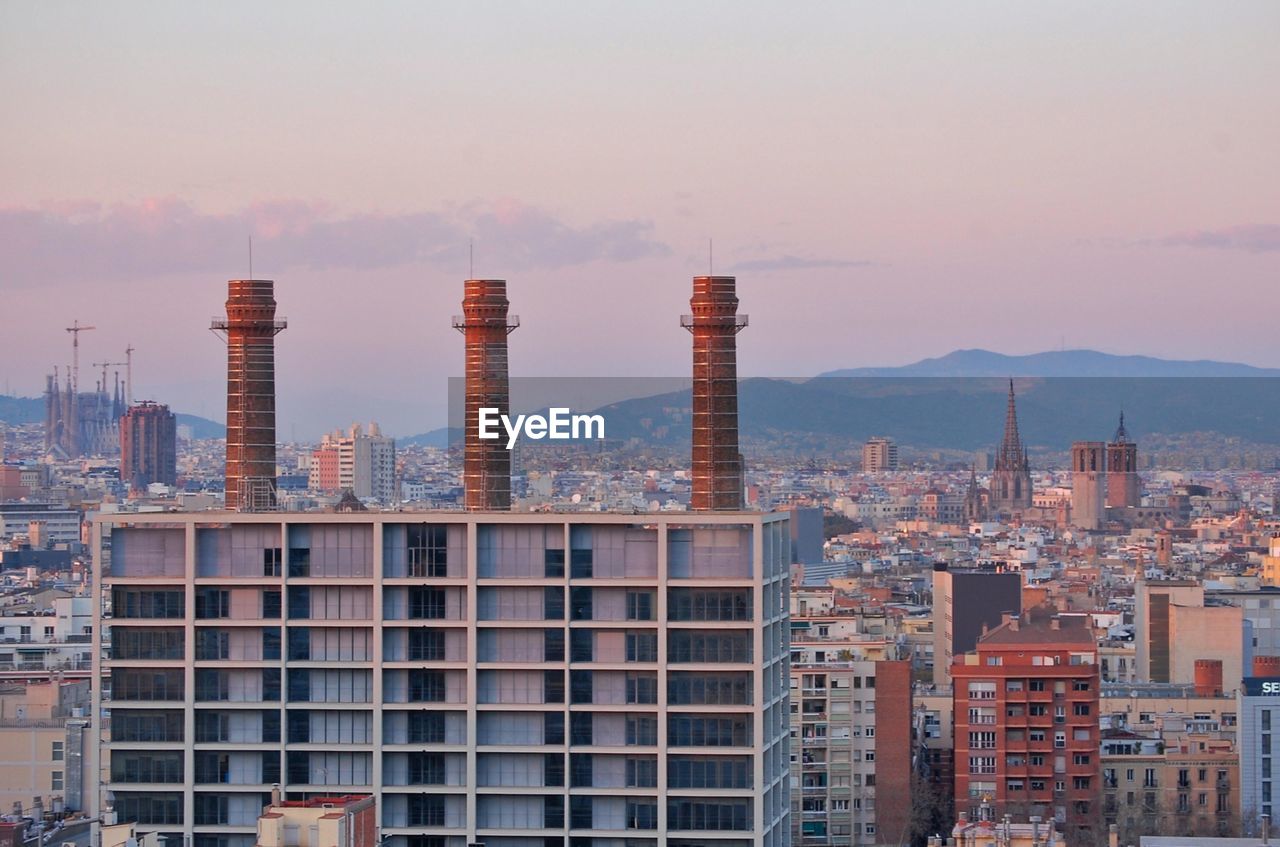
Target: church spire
[[1011, 445], [1011, 482], [1121, 436]]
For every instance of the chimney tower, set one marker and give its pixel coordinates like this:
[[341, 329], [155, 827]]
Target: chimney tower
[[250, 329], [717, 462], [484, 322]]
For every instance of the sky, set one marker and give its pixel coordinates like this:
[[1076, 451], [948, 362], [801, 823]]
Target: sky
[[888, 181]]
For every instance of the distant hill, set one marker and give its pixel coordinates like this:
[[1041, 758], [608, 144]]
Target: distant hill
[[967, 414], [28, 410], [21, 410], [435, 438], [201, 427], [958, 402], [1058, 363]]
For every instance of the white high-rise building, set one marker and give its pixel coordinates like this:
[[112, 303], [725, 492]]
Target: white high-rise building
[[361, 462], [601, 680]]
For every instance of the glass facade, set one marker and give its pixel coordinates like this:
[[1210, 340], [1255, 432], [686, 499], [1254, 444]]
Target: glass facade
[[509, 679]]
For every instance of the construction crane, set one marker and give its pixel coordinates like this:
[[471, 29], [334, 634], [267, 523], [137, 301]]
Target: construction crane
[[75, 329], [104, 366], [128, 374]]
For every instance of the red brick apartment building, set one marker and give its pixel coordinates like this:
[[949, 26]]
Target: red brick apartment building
[[1026, 723]]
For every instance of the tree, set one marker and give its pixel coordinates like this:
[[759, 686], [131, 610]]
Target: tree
[[931, 812]]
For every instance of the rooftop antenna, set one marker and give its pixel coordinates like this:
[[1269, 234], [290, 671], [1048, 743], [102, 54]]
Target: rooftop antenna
[[251, 256], [471, 258], [711, 265]]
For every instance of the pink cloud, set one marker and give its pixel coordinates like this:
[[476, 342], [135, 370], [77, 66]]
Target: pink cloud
[[1250, 238], [161, 235]]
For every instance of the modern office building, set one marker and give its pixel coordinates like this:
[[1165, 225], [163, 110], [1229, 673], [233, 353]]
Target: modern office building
[[1026, 724], [1258, 702], [851, 736], [508, 679]]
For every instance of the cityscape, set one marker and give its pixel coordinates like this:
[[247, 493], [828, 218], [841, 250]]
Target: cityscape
[[662, 556]]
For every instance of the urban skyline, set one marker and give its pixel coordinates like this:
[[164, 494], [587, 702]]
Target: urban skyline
[[973, 160], [846, 609]]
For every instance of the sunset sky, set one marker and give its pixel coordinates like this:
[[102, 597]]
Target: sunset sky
[[889, 181]]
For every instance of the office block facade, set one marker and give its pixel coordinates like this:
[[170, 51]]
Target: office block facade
[[508, 679], [1259, 711]]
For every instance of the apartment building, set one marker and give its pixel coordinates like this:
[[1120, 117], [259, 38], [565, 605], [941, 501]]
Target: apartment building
[[850, 743], [360, 461], [42, 735], [599, 680], [1174, 779], [1026, 723], [879, 455], [40, 641]]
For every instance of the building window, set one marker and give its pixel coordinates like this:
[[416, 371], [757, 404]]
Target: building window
[[982, 764], [56, 755], [55, 781], [982, 741]]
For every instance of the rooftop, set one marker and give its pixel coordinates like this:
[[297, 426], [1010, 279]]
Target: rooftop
[[1040, 626]]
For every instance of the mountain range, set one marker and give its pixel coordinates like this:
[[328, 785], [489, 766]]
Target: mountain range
[[955, 401], [1056, 363], [958, 401]]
